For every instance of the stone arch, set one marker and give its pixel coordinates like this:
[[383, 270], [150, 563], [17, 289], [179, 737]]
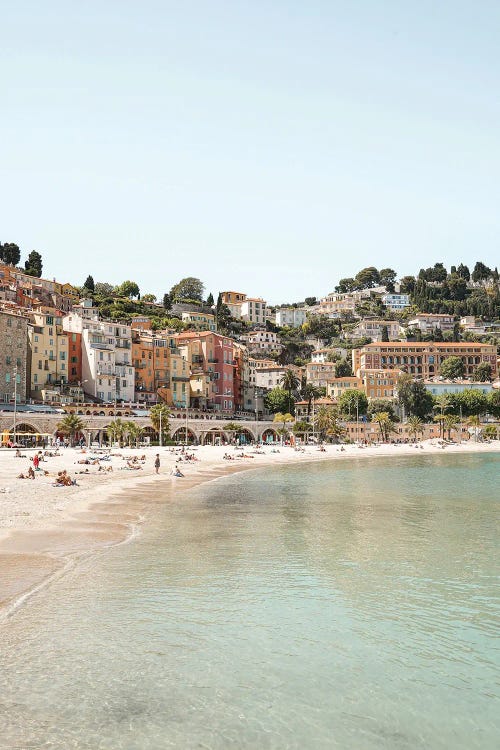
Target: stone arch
[[213, 435], [245, 436], [270, 435], [180, 436]]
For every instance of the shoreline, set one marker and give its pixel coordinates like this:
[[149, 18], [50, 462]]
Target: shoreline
[[44, 529]]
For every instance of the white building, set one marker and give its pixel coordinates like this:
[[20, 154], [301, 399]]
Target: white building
[[440, 387], [396, 301], [253, 310], [372, 328], [432, 321], [107, 370], [321, 355], [263, 340], [293, 317]]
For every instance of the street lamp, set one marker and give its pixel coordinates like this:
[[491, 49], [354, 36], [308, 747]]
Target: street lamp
[[15, 404], [256, 417], [186, 441], [161, 431]]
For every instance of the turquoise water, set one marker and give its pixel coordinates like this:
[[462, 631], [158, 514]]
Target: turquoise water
[[352, 605]]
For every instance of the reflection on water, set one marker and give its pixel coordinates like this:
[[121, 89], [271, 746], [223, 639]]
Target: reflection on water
[[349, 606]]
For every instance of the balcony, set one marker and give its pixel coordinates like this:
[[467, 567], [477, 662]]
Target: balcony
[[213, 360], [180, 378]]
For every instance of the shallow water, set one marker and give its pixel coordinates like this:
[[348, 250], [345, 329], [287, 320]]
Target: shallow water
[[350, 605]]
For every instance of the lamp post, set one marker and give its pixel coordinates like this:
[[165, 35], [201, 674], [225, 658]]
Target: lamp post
[[161, 431], [186, 439], [15, 404], [256, 417], [313, 418], [357, 419]]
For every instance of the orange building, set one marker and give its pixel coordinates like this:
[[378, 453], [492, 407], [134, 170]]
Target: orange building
[[422, 359]]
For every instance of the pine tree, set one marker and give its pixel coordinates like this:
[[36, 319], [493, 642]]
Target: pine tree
[[34, 264], [89, 284]]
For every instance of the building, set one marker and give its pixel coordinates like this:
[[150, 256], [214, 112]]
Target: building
[[233, 300], [293, 317], [337, 386], [48, 344], [431, 322], [263, 341], [396, 301], [422, 359], [267, 378], [107, 370], [14, 360], [380, 383], [212, 355], [254, 310], [443, 387], [202, 321], [321, 355], [320, 373], [305, 411], [372, 328]]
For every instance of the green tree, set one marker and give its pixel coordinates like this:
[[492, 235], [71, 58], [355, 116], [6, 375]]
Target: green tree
[[189, 288], [210, 300], [10, 253], [345, 286], [450, 423], [463, 272], [415, 426], [89, 284], [343, 369], [149, 297], [116, 431], [290, 383], [71, 425], [482, 373], [493, 403], [34, 264], [491, 431], [128, 289], [309, 392], [384, 405], [414, 397], [385, 424], [481, 272], [452, 368], [367, 278], [276, 400], [133, 432], [104, 289], [353, 402], [160, 414], [471, 402], [327, 423], [384, 333]]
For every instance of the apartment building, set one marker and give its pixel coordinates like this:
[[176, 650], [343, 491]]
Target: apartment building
[[263, 340], [293, 317], [372, 328], [422, 359], [49, 352], [337, 386], [14, 359], [396, 301], [200, 320], [321, 355], [380, 383], [106, 357], [320, 373], [233, 300], [254, 310], [212, 355], [430, 322]]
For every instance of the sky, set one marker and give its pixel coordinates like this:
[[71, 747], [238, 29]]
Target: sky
[[265, 147]]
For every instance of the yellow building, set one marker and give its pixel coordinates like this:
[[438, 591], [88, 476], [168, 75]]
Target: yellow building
[[337, 386], [48, 350]]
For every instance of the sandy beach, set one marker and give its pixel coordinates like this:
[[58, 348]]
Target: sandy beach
[[43, 527]]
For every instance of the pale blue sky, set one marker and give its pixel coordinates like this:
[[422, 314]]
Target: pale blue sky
[[271, 147]]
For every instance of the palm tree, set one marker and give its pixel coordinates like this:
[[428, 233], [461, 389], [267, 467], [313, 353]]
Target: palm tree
[[439, 418], [133, 431], [415, 426], [326, 421], [71, 425], [232, 427], [310, 392], [450, 423], [290, 383], [385, 424], [116, 430], [159, 414], [284, 419]]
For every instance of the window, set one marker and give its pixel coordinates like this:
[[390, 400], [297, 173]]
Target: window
[[7, 360], [7, 377]]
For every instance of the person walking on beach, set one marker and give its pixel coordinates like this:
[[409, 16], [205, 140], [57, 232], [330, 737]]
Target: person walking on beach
[[157, 463]]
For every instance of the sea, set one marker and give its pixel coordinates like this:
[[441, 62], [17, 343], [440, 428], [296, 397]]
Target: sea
[[344, 604]]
